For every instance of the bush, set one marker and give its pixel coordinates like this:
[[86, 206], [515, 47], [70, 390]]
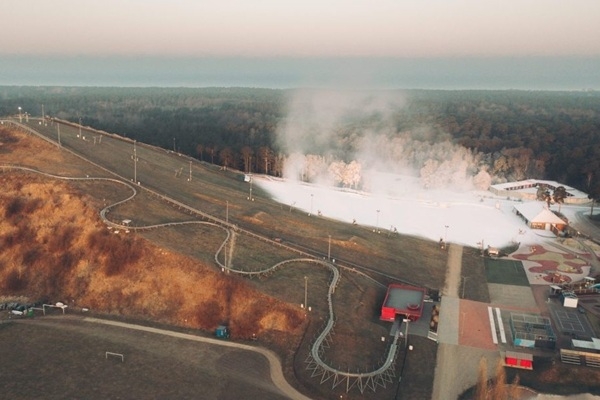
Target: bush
[[14, 282], [13, 208], [63, 238], [209, 315], [31, 256]]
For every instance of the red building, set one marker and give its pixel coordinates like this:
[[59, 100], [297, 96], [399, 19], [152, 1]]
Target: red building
[[403, 300]]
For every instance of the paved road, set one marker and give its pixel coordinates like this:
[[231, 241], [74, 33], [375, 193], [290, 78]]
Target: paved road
[[456, 366]]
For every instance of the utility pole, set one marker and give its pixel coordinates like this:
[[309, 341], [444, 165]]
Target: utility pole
[[329, 249], [135, 160], [406, 321], [306, 292], [58, 129], [250, 193], [190, 179]]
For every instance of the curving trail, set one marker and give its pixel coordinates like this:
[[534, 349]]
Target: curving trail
[[381, 376]]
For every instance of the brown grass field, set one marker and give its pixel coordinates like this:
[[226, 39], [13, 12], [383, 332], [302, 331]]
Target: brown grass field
[[165, 269]]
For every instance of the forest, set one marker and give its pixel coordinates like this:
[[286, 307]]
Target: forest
[[445, 137]]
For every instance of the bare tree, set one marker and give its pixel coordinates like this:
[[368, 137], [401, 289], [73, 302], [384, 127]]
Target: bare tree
[[265, 155], [200, 151], [247, 152], [226, 157], [212, 151]]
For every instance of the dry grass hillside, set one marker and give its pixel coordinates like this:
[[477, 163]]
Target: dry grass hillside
[[55, 248]]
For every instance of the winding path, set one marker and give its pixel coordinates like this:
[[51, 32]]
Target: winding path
[[363, 380]]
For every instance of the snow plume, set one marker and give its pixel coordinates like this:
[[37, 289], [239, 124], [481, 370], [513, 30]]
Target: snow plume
[[346, 138]]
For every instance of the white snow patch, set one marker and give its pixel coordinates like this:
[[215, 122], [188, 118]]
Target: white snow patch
[[470, 217]]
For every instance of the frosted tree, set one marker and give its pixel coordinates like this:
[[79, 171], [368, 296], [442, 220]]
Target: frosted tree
[[315, 168], [336, 171], [352, 175], [482, 180], [428, 173]]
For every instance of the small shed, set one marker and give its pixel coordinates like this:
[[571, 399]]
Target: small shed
[[538, 216], [222, 332], [402, 300], [569, 300], [518, 360]]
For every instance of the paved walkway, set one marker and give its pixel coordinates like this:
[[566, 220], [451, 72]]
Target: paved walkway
[[456, 366]]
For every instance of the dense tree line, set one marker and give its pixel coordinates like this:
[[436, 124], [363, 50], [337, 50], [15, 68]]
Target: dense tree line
[[514, 134]]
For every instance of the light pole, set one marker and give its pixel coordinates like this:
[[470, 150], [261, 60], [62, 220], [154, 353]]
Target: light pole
[[446, 234], [311, 204], [135, 160], [174, 146], [406, 321], [58, 129], [79, 127], [250, 192], [190, 178], [20, 115], [329, 249], [377, 222], [306, 292]]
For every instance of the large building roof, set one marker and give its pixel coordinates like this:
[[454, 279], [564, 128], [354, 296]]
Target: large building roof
[[530, 186]]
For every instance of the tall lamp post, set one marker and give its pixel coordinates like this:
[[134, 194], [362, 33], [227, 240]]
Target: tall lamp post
[[306, 292], [329, 249], [58, 129], [446, 234], [250, 192], [311, 204], [135, 160], [20, 115], [377, 222]]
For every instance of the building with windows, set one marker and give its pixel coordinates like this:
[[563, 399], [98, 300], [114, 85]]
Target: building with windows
[[537, 216], [527, 190]]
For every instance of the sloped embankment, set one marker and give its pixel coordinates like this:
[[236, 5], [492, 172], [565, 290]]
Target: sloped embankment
[[56, 248]]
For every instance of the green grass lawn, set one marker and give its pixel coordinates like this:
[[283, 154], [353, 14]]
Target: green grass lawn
[[507, 272]]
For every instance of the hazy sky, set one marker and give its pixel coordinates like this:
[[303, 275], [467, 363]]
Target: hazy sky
[[311, 28]]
